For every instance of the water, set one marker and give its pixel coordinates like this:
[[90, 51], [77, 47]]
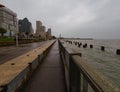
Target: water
[[106, 62], [110, 45], [107, 43]]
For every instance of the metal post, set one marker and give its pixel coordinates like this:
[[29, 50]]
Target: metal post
[[74, 78], [91, 46], [74, 75], [16, 39], [39, 59], [118, 51], [85, 85], [102, 48]]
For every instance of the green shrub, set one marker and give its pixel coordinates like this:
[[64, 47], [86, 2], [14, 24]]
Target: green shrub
[[2, 31], [3, 39]]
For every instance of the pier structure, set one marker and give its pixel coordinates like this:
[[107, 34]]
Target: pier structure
[[53, 67]]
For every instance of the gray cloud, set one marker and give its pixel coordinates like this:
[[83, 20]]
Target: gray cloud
[[72, 18]]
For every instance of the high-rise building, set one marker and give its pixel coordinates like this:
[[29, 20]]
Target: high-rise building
[[25, 28], [31, 30], [49, 31], [40, 30], [48, 34], [8, 20]]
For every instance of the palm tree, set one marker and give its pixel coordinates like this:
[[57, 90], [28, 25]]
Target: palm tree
[[2, 31]]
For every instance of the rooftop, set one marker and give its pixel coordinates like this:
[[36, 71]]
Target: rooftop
[[2, 7]]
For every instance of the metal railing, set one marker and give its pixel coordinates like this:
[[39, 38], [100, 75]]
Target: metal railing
[[80, 76]]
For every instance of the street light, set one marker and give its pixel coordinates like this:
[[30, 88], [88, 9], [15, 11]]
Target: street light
[[17, 32], [16, 39]]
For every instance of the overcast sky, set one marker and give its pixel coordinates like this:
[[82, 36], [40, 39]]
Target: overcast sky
[[72, 18]]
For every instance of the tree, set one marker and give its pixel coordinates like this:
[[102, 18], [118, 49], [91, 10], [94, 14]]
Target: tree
[[2, 31], [53, 37], [27, 33]]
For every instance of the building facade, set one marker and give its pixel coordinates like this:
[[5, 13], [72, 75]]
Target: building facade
[[8, 20], [25, 28], [40, 30], [48, 34]]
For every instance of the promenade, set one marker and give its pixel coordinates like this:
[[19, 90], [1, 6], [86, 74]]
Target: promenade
[[68, 68], [49, 77], [10, 52]]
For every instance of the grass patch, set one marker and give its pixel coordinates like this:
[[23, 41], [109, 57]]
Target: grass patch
[[6, 39]]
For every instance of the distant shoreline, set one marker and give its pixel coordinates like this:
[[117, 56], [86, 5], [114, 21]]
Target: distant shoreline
[[80, 38]]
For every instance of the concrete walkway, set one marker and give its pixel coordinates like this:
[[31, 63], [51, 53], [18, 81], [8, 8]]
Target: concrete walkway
[[10, 52], [49, 77]]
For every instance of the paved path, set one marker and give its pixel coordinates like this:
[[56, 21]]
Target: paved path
[[9, 52], [49, 77]]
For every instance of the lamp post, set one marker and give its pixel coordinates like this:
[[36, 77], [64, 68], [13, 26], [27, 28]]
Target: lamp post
[[17, 32], [16, 39]]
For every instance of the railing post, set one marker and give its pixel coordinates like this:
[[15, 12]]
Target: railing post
[[30, 67], [39, 59], [85, 85], [74, 74]]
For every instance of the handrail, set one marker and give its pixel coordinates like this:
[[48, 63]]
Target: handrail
[[94, 76], [80, 75]]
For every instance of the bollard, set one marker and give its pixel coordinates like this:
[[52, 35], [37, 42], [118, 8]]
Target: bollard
[[85, 45], [79, 45], [72, 42], [75, 43], [118, 51], [91, 46], [102, 48]]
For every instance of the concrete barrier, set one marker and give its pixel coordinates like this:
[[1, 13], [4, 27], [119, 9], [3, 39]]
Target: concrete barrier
[[14, 73]]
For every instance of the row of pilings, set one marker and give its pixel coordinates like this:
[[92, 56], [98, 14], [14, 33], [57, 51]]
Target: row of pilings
[[85, 45]]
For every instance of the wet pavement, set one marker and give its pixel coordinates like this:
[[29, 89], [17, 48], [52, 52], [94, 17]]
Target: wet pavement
[[49, 77], [9, 52]]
